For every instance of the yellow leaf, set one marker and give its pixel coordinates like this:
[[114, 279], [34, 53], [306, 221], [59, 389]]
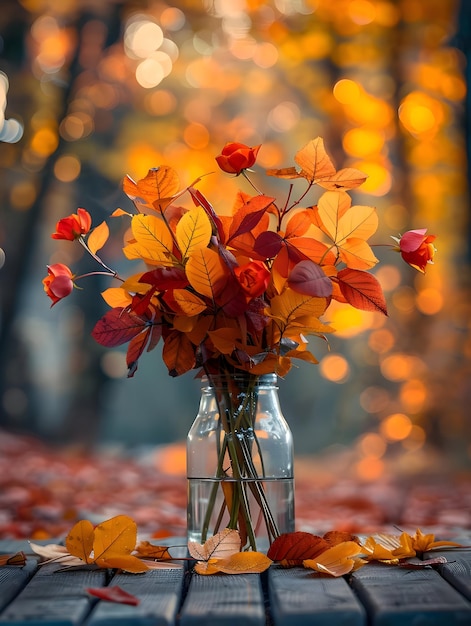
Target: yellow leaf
[[357, 254], [126, 562], [98, 237], [189, 302], [222, 544], [116, 297], [376, 551], [153, 241], [423, 543], [193, 231], [336, 561], [79, 541], [243, 563], [291, 305], [206, 568], [206, 272], [314, 161], [116, 536]]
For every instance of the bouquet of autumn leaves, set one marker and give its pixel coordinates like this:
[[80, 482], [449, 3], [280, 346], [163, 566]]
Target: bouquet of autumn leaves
[[241, 291]]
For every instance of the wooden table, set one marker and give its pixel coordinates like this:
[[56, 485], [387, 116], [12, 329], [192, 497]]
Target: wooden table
[[376, 595]]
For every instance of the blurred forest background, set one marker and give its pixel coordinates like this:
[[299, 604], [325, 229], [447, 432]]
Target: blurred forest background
[[94, 90]]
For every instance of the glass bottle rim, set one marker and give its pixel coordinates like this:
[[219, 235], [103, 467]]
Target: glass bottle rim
[[216, 381]]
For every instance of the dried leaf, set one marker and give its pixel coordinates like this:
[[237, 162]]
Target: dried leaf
[[147, 550], [418, 564], [337, 560], [19, 558], [362, 290], [126, 562], [113, 594], [220, 545], [293, 548], [239, 563], [114, 536], [56, 553]]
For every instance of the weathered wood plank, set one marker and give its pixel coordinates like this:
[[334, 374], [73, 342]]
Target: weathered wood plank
[[297, 595], [53, 597], [395, 596], [457, 570], [13, 579], [159, 592], [224, 600]]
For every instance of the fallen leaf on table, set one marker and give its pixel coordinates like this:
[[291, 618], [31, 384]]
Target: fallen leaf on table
[[424, 543], [53, 552], [220, 545], [338, 560], [418, 564], [113, 594], [291, 549], [145, 549], [13, 559], [238, 563]]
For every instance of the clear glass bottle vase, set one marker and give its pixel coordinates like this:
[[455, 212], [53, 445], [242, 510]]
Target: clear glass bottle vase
[[240, 462]]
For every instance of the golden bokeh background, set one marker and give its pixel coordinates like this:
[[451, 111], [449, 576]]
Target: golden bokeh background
[[92, 91]]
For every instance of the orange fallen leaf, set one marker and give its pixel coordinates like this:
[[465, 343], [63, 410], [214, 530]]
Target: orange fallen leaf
[[145, 549], [336, 561], [239, 563]]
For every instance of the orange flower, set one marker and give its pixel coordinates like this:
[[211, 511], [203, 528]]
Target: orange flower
[[73, 226], [253, 278], [417, 248], [236, 157], [58, 283]]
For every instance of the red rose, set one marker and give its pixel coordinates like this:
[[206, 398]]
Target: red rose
[[73, 226], [253, 278], [58, 283], [236, 157], [417, 248]]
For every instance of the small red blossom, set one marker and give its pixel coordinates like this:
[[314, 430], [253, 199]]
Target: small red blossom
[[73, 226], [417, 249], [58, 283], [236, 157], [253, 278]]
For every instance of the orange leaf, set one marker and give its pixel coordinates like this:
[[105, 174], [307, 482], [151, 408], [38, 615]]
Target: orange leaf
[[206, 272], [314, 161], [239, 563], [178, 353], [116, 536], [148, 550], [362, 290], [188, 303], [337, 560], [159, 185], [357, 254], [79, 541], [348, 178], [334, 537], [116, 297], [126, 562], [98, 237], [294, 548]]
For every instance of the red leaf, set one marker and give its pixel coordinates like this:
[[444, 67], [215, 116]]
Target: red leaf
[[163, 278], [308, 278], [294, 548], [200, 200], [254, 210], [136, 347], [268, 244], [113, 594], [116, 327], [362, 290]]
